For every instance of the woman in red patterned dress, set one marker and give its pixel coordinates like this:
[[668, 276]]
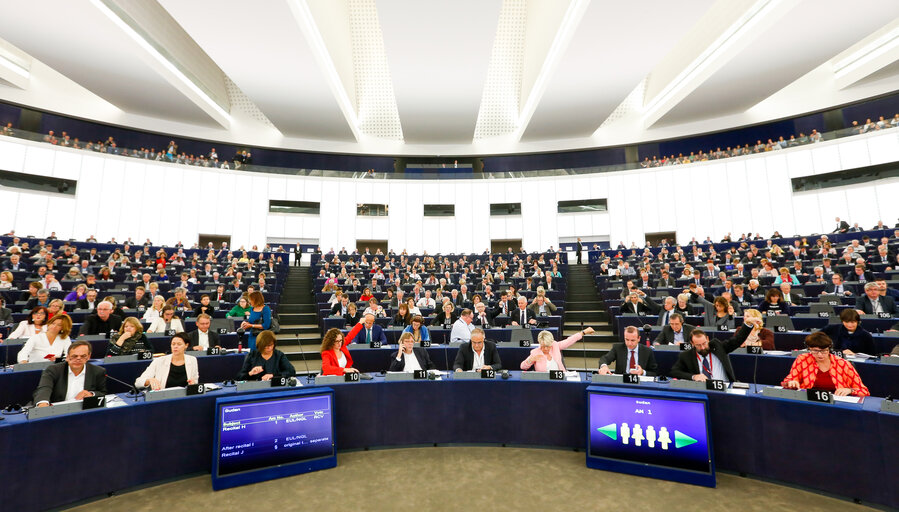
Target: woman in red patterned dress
[[819, 369]]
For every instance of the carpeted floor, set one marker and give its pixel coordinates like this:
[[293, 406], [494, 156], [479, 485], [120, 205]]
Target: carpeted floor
[[474, 478]]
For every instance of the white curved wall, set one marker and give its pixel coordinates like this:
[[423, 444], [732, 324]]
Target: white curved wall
[[127, 197]]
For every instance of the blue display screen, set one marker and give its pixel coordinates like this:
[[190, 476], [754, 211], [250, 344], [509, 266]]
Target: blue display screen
[[649, 429], [273, 432]]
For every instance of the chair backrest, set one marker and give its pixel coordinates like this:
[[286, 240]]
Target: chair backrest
[[820, 307], [221, 323], [779, 323]]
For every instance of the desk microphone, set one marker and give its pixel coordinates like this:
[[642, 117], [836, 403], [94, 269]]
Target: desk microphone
[[446, 356], [303, 355], [133, 393], [755, 367], [584, 345]]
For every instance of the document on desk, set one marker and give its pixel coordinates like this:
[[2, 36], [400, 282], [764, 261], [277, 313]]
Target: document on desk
[[847, 399], [211, 387], [115, 401], [777, 352], [734, 391], [572, 376]]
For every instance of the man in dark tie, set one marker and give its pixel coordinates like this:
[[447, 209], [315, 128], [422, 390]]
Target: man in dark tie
[[708, 359], [523, 316], [667, 310], [371, 331], [482, 317], [630, 356]]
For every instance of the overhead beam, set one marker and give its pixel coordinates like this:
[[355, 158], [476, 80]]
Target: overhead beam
[[15, 65], [869, 55]]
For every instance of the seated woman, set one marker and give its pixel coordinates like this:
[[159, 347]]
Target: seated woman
[[55, 306], [374, 309], [336, 358], [155, 310], [402, 318], [763, 337], [174, 370], [409, 357], [683, 304], [50, 344], [353, 316], [547, 355], [6, 280], [265, 361], [168, 321], [5, 314], [241, 309], [413, 309], [718, 314], [774, 304], [820, 369], [848, 336], [129, 340], [418, 330], [446, 317], [366, 295], [34, 324], [786, 277], [204, 307], [80, 292]]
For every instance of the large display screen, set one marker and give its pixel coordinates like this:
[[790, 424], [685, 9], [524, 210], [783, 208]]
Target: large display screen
[[650, 433], [264, 436]]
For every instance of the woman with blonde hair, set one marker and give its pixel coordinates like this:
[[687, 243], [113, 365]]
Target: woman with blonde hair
[[763, 336], [155, 310], [129, 340]]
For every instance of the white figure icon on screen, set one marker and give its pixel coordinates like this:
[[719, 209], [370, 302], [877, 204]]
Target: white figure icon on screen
[[625, 433], [637, 435], [651, 436], [664, 439]]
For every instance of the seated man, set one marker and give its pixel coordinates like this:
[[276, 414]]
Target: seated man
[[848, 336], [676, 332], [836, 286], [629, 356], [203, 337], [542, 307], [370, 331], [138, 300], [340, 307], [483, 317], [477, 354], [708, 359], [101, 321], [42, 299], [73, 379], [462, 327], [89, 301], [634, 304], [872, 303], [523, 316]]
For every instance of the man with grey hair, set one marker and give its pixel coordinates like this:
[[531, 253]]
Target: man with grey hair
[[523, 316], [630, 356], [462, 327], [477, 354], [667, 310], [872, 303], [101, 322]]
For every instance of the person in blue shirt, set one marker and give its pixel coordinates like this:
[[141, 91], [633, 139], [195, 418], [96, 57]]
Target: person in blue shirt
[[419, 331], [259, 319]]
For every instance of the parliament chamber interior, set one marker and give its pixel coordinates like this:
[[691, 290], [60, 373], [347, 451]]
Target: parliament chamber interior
[[339, 253]]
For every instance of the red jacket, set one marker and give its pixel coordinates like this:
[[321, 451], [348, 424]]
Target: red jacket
[[329, 359], [843, 374]]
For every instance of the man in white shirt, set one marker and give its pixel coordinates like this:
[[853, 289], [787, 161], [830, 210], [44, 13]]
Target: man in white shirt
[[203, 337], [462, 327], [74, 379], [426, 301]]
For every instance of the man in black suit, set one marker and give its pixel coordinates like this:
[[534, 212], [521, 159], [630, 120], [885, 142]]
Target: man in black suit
[[836, 286], [203, 337], [522, 315], [482, 316], [634, 304], [666, 281], [842, 226], [74, 379], [406, 353], [675, 332], [139, 299], [861, 275], [101, 322], [340, 306], [708, 359], [478, 351], [89, 301], [872, 302], [580, 248], [630, 356], [41, 299]]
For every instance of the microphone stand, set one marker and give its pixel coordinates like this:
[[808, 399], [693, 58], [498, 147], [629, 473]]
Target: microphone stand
[[303, 355], [133, 393], [584, 346]]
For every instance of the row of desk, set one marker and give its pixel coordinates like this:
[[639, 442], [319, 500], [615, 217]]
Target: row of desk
[[797, 443], [881, 378]]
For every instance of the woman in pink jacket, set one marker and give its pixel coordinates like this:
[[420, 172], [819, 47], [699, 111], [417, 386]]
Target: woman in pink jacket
[[548, 353]]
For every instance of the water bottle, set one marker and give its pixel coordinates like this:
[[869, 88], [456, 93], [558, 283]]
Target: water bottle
[[240, 347]]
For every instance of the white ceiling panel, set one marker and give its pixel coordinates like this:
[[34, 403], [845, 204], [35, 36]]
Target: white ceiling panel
[[78, 41], [438, 53], [809, 35], [605, 61], [264, 52]]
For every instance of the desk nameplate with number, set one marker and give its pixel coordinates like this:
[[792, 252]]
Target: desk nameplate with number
[[419, 374], [374, 344], [630, 378], [715, 385], [425, 343], [556, 375], [488, 374], [818, 395], [351, 377]]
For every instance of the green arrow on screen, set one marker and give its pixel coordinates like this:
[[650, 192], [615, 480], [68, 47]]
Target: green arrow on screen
[[611, 430], [681, 439]]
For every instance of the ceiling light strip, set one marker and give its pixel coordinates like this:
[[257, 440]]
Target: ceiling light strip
[[15, 68], [161, 59]]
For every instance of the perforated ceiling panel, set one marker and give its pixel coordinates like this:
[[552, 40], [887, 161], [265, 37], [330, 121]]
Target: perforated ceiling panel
[[239, 100], [633, 103], [375, 99], [501, 99]]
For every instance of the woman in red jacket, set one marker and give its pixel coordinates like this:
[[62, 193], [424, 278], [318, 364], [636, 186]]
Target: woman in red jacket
[[820, 369], [336, 359]]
